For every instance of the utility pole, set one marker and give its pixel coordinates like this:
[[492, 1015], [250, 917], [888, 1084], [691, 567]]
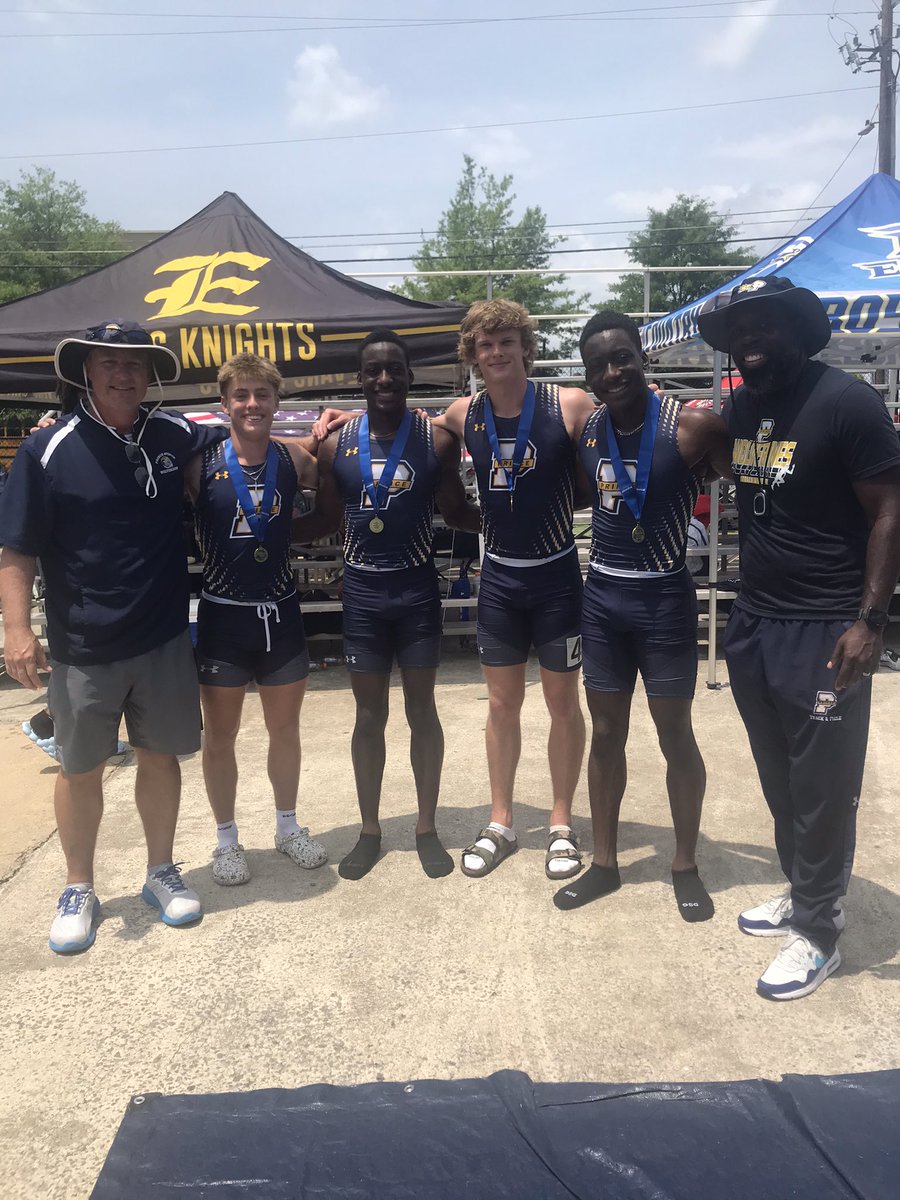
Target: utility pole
[[879, 57], [887, 93]]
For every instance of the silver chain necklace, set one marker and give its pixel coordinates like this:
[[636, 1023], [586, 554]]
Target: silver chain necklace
[[627, 432]]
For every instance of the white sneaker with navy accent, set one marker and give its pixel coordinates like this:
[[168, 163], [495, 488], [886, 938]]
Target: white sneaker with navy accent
[[773, 917], [890, 659], [167, 891], [797, 969], [73, 926]]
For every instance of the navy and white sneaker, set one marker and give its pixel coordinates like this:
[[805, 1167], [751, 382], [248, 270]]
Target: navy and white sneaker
[[797, 969], [890, 659], [73, 926], [773, 918], [166, 890]]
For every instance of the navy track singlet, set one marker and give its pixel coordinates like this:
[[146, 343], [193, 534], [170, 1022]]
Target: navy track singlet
[[538, 526], [671, 495], [226, 541], [407, 510]]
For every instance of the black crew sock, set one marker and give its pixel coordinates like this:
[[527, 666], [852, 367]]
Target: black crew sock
[[594, 883], [42, 724], [694, 901], [435, 860], [362, 858]]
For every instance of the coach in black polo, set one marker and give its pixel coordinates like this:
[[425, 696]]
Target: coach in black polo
[[97, 498], [817, 464]]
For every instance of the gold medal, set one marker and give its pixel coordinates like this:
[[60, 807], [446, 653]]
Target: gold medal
[[638, 534], [376, 525], [260, 554]]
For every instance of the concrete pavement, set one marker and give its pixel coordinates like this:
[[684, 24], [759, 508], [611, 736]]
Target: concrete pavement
[[300, 977]]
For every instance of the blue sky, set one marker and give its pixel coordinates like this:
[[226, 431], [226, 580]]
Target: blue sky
[[281, 78]]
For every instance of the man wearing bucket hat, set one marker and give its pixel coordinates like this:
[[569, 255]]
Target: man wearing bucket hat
[[98, 498], [817, 464]]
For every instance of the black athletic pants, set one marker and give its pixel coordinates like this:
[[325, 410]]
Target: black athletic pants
[[809, 744]]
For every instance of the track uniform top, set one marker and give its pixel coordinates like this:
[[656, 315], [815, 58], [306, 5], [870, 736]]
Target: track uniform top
[[407, 510], [804, 557], [226, 540], [113, 558], [538, 525], [672, 492]]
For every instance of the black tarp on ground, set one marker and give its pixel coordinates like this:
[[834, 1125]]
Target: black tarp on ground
[[221, 283], [507, 1138]]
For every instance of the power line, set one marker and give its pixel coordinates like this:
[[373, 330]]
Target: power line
[[207, 33], [350, 137]]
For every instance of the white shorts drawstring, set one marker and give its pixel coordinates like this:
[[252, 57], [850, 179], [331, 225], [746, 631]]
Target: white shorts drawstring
[[264, 611]]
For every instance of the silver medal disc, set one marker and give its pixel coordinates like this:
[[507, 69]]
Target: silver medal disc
[[638, 534], [376, 525], [260, 554]]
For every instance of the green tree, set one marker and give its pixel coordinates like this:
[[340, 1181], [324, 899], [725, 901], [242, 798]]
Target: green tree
[[689, 233], [42, 221], [477, 232]]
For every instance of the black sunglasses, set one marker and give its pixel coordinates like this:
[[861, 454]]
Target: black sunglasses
[[135, 456], [119, 335]]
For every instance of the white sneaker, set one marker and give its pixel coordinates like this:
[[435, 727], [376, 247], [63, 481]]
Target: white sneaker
[[797, 969], [890, 659], [167, 891], [302, 849], [773, 918], [73, 926], [230, 866]]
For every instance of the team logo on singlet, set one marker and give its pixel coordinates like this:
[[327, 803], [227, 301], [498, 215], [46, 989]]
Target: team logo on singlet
[[404, 478], [825, 702], [498, 470], [608, 487], [239, 525]]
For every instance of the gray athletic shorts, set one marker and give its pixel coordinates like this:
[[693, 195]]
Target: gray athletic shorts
[[156, 692]]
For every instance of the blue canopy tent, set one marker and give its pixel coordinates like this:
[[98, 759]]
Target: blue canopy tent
[[851, 259]]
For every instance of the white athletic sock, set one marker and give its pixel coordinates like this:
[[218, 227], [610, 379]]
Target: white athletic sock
[[286, 822], [472, 861], [227, 834], [559, 866]]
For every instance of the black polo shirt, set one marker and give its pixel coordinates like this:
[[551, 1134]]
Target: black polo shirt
[[113, 559]]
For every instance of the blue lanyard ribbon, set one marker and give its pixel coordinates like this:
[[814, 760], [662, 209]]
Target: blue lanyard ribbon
[[634, 494], [523, 432], [258, 521], [392, 462]]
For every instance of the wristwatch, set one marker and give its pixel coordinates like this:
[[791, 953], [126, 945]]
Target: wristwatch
[[875, 618]]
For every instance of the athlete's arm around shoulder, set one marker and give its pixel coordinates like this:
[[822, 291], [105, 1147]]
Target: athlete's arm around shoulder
[[305, 463], [576, 406], [454, 418], [703, 439], [326, 516], [450, 494]]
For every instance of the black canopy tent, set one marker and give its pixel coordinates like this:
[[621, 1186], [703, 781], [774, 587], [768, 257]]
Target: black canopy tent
[[221, 283]]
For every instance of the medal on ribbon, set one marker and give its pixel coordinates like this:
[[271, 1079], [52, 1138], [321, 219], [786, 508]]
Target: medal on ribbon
[[635, 493], [258, 521], [388, 471], [523, 433]]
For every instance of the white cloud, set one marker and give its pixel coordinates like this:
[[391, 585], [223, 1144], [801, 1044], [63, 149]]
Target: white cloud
[[324, 93], [789, 143], [635, 203], [499, 150], [733, 45]]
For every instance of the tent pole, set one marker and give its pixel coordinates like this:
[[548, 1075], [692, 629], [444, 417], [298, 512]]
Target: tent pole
[[715, 509]]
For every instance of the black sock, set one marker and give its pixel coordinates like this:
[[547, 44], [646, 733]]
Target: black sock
[[594, 883], [694, 901], [362, 858], [435, 860]]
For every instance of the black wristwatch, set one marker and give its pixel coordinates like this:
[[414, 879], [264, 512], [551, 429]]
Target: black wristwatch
[[875, 618]]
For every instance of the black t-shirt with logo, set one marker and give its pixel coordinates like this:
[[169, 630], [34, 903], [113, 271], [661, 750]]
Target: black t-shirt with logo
[[796, 456]]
